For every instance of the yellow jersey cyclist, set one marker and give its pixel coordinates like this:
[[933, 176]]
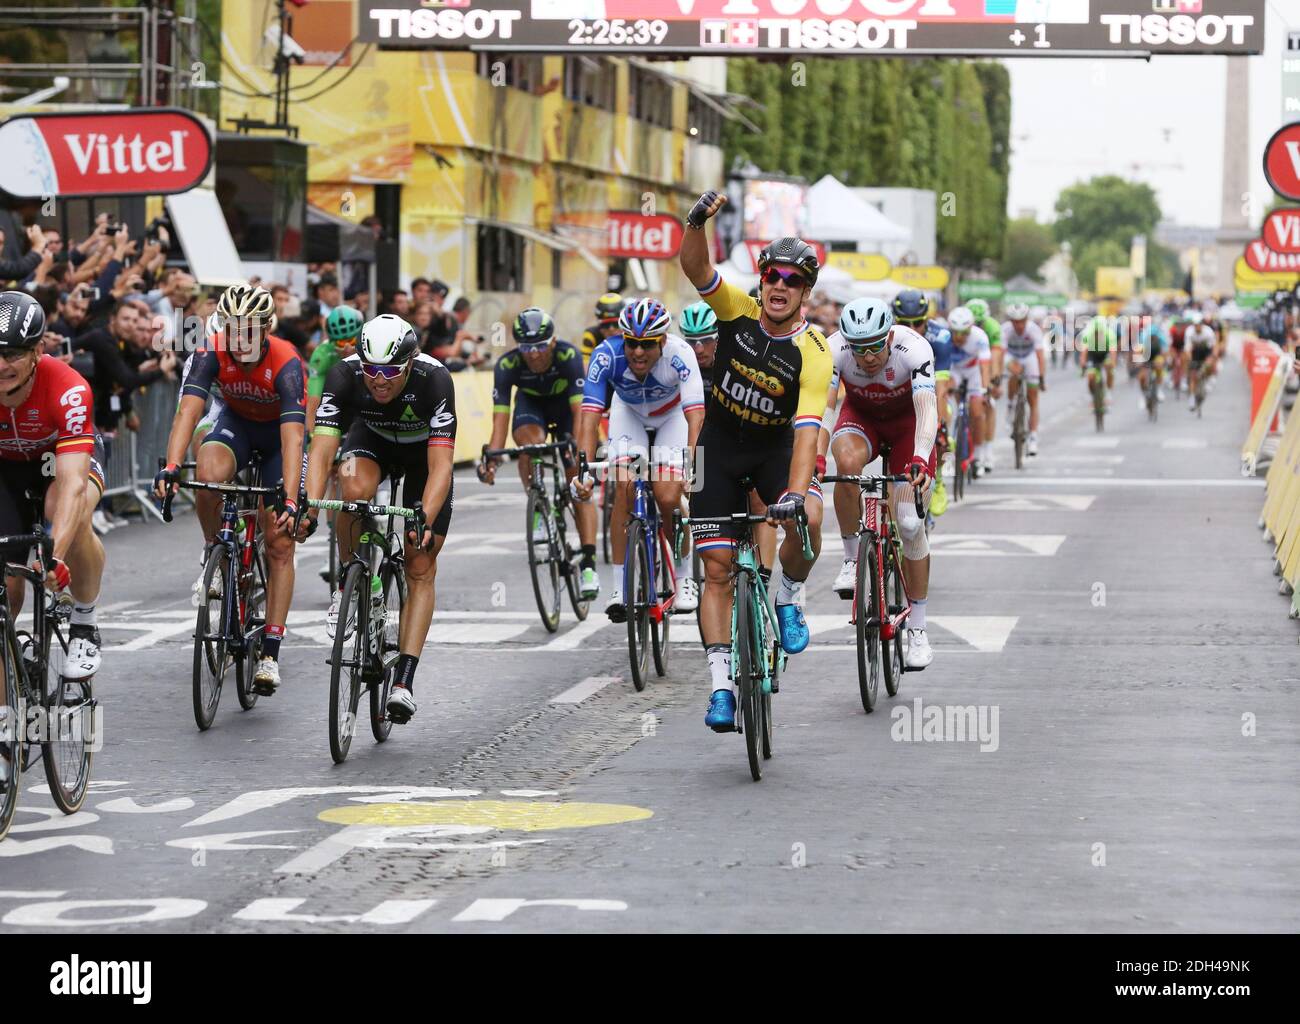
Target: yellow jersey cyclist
[[388, 408], [771, 374], [608, 308], [545, 375]]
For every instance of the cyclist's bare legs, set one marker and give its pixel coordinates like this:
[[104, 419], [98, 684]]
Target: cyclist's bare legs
[[421, 570]]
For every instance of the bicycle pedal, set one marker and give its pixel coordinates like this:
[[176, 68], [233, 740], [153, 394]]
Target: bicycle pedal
[[397, 719], [845, 595]]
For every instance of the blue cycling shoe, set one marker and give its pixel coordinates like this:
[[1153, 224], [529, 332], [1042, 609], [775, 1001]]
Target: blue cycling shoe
[[722, 711], [794, 628]]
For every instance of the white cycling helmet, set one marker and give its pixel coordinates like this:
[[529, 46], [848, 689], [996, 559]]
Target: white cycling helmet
[[961, 320], [866, 320], [387, 340], [1017, 311]]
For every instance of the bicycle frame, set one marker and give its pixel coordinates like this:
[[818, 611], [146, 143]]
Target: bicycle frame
[[876, 522], [646, 509], [763, 622]]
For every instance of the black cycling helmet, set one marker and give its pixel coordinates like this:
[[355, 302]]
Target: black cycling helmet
[[533, 326], [793, 251], [608, 307], [22, 322], [911, 305]]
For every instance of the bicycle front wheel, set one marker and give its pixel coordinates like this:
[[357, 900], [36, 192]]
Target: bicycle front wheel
[[637, 597], [254, 588], [867, 624], [543, 563], [212, 655], [70, 733], [572, 565], [394, 583], [747, 673], [896, 602], [659, 627], [11, 728], [1018, 432], [348, 660]]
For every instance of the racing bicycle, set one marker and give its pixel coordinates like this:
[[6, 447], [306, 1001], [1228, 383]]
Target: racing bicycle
[[38, 706], [553, 561], [757, 658], [880, 601]]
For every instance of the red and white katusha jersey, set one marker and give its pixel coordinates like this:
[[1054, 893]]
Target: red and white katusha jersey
[[887, 394]]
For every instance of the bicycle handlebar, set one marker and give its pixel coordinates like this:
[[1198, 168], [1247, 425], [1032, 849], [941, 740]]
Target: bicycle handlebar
[[751, 518], [526, 449], [871, 483], [276, 492]]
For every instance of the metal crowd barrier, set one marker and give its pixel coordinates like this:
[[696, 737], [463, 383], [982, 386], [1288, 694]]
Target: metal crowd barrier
[[133, 455]]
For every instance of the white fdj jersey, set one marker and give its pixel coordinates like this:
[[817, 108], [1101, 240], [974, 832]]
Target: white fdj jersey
[[886, 394], [1021, 347], [967, 355], [657, 402]]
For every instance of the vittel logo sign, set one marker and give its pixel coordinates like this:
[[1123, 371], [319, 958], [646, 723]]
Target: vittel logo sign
[[636, 236], [136, 152]]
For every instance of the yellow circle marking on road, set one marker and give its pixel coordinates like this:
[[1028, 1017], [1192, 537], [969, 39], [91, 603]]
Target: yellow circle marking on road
[[523, 816]]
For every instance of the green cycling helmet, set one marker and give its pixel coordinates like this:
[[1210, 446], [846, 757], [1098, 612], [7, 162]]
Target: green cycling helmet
[[979, 307], [699, 319], [344, 323]]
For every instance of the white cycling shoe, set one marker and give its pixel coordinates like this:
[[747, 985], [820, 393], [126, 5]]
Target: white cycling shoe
[[83, 658], [266, 680], [919, 654], [687, 598], [401, 704], [218, 584], [1032, 447], [332, 617], [847, 579]]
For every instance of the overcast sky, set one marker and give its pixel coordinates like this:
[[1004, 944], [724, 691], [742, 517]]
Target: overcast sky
[[1073, 119]]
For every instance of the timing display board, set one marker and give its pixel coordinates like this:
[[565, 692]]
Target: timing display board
[[1114, 28]]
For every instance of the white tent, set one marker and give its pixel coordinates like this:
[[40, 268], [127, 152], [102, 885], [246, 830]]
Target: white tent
[[836, 214]]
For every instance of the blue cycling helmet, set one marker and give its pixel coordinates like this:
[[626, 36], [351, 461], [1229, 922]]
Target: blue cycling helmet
[[645, 318], [911, 306]]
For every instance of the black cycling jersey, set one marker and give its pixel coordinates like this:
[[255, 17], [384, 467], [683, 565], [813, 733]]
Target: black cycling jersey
[[424, 412], [564, 377]]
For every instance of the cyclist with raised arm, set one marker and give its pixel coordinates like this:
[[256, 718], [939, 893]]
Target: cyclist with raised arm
[[386, 409], [889, 402], [993, 331], [545, 375], [656, 386], [771, 373], [264, 391], [49, 447], [1026, 355]]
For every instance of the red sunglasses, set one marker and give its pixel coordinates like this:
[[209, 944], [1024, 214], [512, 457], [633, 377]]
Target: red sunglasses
[[792, 278], [373, 370]]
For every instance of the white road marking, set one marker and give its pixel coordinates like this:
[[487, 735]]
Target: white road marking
[[1098, 481], [12, 847], [499, 909], [986, 633], [574, 638], [227, 841], [125, 805], [996, 544], [1096, 442], [1027, 502], [262, 799], [1185, 443], [1086, 460], [589, 686]]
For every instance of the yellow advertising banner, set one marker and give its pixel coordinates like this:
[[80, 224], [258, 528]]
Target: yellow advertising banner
[[864, 266], [1248, 280], [1115, 282], [929, 279]]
